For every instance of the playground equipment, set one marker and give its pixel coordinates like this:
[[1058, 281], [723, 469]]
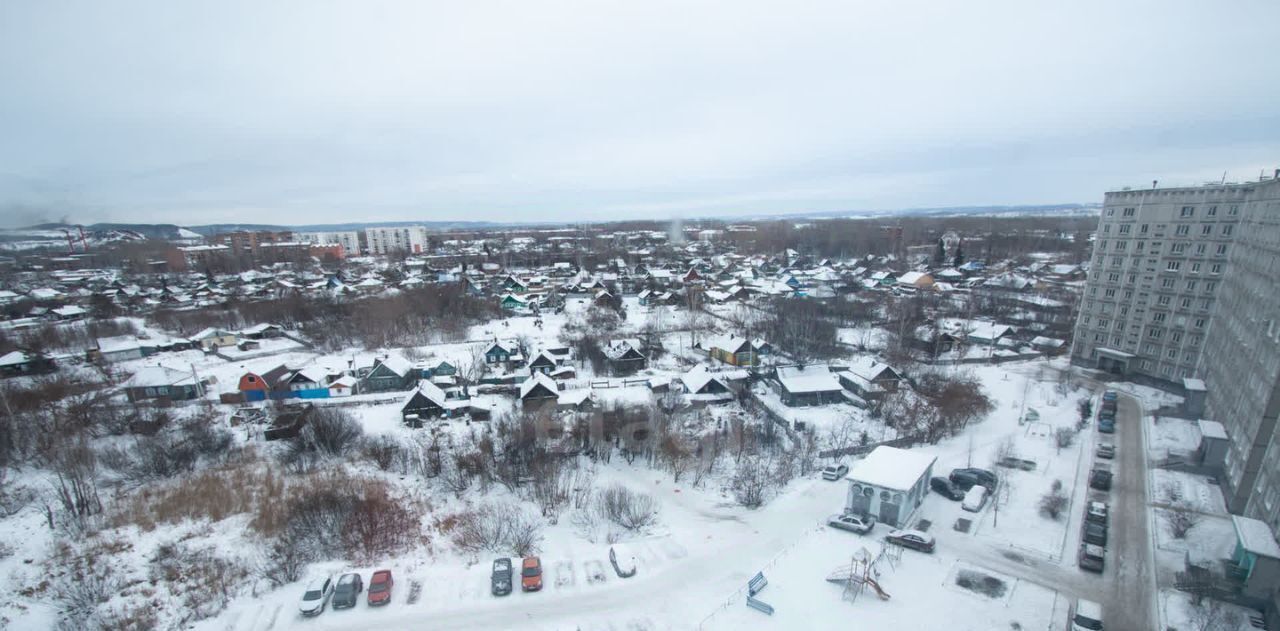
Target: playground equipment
[[862, 573]]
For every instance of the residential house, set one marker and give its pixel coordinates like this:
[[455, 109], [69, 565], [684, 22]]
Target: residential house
[[701, 383], [163, 383], [811, 385], [544, 362], [624, 356], [538, 390], [389, 374], [869, 378], [503, 352], [22, 363], [260, 387], [732, 350], [212, 339], [427, 401], [119, 348]]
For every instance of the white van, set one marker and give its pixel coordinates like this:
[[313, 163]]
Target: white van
[[1086, 616], [975, 498]]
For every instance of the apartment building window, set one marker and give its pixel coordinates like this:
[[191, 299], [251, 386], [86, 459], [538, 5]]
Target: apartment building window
[[1155, 333], [1166, 283], [1143, 228], [1222, 250], [1128, 212], [1185, 303], [1157, 317], [1163, 301], [1216, 268], [1195, 268], [1183, 230], [1133, 278], [1210, 285], [1155, 247], [1191, 285], [1227, 230], [1099, 337], [1084, 320], [1093, 291], [1124, 311], [1103, 323], [1166, 369], [1206, 229], [1200, 248], [1113, 278], [1178, 248], [1234, 210], [1188, 211], [1115, 340], [1128, 293], [1124, 229], [1116, 261], [1106, 229], [1204, 303], [1195, 340], [1199, 323], [1213, 211], [1121, 245], [1175, 337], [1142, 245], [1111, 212], [1146, 364], [1173, 266], [1110, 293], [1172, 354]]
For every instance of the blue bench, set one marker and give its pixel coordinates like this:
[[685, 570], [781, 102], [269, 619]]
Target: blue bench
[[756, 584], [759, 605]]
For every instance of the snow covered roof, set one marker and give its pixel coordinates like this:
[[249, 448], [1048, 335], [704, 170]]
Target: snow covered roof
[[13, 358], [432, 392], [729, 342], [697, 378], [869, 368], [1194, 385], [149, 376], [529, 384], [1208, 429], [118, 343], [396, 364], [796, 379], [1255, 536], [891, 468], [911, 278]]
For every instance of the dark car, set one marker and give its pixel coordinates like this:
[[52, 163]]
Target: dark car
[[500, 579], [1110, 395], [913, 539], [1107, 425], [1096, 512], [380, 588], [347, 591], [1094, 533], [945, 488], [1100, 479], [966, 478], [1091, 557]]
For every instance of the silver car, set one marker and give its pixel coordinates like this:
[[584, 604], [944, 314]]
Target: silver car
[[861, 524]]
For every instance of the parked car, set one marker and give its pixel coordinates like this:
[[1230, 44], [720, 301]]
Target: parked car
[[380, 588], [1086, 615], [1094, 533], [853, 523], [975, 498], [913, 539], [1011, 462], [1109, 395], [1096, 512], [1107, 425], [316, 596], [1106, 450], [945, 488], [531, 574], [835, 472], [347, 591], [1091, 557], [500, 579], [1107, 413], [965, 478], [623, 560], [1100, 479]]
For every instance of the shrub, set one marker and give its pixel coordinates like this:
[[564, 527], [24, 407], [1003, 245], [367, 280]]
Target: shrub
[[626, 508], [497, 528], [1054, 503]]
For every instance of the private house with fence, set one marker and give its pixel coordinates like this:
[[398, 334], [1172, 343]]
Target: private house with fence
[[889, 484], [804, 386]]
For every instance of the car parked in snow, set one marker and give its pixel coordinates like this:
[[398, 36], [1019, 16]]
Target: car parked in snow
[[1091, 557], [1086, 615], [835, 472], [380, 588], [623, 560], [913, 539], [1100, 478], [966, 478], [1106, 450], [347, 591], [1107, 425], [853, 523], [975, 498], [317, 596], [1096, 512], [945, 488], [500, 578], [531, 574], [1095, 533]]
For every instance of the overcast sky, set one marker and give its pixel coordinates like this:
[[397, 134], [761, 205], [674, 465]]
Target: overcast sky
[[314, 112]]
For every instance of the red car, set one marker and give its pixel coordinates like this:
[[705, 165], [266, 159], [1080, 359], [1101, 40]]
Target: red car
[[380, 588], [531, 574]]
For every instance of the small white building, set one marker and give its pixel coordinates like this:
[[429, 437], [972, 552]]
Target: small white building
[[889, 484]]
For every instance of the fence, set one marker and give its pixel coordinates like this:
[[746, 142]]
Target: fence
[[862, 450]]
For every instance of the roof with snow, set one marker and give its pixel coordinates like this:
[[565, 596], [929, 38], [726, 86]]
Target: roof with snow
[[796, 379], [697, 379], [1212, 429], [13, 358], [891, 468], [150, 376], [534, 381], [1255, 536]]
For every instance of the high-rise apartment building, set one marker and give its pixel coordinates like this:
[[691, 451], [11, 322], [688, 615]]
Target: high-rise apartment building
[[402, 239], [1185, 283], [1159, 258], [349, 240], [1242, 357]]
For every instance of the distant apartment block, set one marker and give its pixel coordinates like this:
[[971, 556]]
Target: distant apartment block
[[411, 239], [349, 240], [1159, 258], [250, 242], [196, 257]]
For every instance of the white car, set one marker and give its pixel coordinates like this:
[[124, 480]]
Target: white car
[[853, 523], [1086, 616], [316, 596], [835, 472], [623, 560], [975, 498]]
